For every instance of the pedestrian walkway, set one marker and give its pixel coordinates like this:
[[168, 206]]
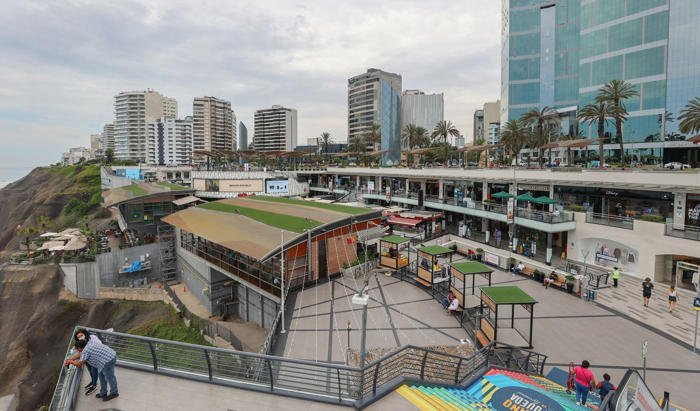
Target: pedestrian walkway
[[626, 300]]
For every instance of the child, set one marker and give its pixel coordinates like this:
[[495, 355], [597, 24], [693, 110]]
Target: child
[[605, 387]]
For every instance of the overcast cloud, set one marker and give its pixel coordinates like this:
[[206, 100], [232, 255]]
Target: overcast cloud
[[63, 61]]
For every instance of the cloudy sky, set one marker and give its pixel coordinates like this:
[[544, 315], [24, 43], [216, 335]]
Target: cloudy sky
[[63, 61]]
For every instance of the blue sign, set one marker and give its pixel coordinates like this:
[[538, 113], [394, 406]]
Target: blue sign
[[522, 398], [696, 303]]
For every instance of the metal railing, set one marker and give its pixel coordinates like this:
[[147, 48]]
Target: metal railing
[[610, 220], [67, 386], [688, 232], [316, 381], [545, 216]]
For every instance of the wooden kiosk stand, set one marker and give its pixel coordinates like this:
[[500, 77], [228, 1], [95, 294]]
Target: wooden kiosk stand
[[458, 281], [492, 300], [429, 269], [394, 251]]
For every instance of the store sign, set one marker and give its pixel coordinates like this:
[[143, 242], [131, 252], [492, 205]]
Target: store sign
[[692, 207], [491, 258], [599, 256], [370, 186], [533, 187], [611, 193], [523, 398]]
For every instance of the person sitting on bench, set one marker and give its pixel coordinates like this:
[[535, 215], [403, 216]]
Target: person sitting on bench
[[454, 306], [448, 299], [519, 267], [550, 279]]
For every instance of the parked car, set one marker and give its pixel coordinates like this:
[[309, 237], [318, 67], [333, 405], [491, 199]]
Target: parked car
[[674, 165]]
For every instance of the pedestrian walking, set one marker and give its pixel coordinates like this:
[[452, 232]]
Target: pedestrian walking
[[584, 382], [498, 238], [615, 276], [672, 298], [647, 286], [103, 359], [605, 386]]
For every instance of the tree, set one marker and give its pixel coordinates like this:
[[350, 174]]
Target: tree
[[373, 136], [27, 232], [443, 129], [614, 93], [544, 124], [109, 155], [414, 137], [357, 145], [690, 117], [325, 142], [514, 137], [600, 113], [43, 220]]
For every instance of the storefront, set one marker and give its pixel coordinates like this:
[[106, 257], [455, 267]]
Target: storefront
[[632, 203]]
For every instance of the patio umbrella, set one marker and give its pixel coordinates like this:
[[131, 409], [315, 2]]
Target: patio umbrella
[[49, 234], [502, 194], [545, 200], [525, 197]]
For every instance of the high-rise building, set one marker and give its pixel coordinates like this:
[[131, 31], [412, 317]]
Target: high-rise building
[[420, 109], [275, 129], [478, 132], [170, 141], [108, 136], [492, 120], [96, 146], [558, 54], [214, 124], [242, 136], [132, 111], [375, 97], [494, 134]]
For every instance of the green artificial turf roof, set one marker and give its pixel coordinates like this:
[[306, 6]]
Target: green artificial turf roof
[[471, 267], [331, 207], [435, 250], [135, 189], [171, 186], [283, 221], [508, 295], [394, 239]]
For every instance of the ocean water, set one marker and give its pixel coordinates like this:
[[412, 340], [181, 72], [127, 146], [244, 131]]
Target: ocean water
[[10, 174]]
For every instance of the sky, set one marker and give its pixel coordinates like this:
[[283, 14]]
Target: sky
[[64, 61]]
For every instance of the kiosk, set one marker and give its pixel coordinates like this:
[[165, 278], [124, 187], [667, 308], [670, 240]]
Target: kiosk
[[394, 251], [488, 330], [429, 267], [458, 281]]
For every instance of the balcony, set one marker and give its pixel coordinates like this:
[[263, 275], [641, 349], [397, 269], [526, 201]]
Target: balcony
[[688, 232], [610, 220]]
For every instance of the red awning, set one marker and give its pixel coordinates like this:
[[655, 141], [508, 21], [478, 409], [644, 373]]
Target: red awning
[[408, 222]]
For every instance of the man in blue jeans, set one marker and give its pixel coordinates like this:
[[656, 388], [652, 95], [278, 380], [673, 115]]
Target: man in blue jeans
[[103, 359]]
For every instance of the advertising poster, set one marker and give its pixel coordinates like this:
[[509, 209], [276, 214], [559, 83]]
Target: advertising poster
[[511, 208], [277, 186], [692, 210]]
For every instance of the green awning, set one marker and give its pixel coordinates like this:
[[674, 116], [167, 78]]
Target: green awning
[[525, 197], [435, 250], [471, 267], [502, 194], [394, 239], [508, 295], [544, 200]]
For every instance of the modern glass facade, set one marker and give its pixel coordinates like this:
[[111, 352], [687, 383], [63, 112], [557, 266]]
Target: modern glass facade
[[559, 53], [390, 123]]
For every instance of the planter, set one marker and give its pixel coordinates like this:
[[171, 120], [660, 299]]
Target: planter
[[570, 288], [479, 257]]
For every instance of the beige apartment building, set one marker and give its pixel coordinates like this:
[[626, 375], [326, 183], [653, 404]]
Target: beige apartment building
[[214, 124]]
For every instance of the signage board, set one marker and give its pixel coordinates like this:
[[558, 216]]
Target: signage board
[[510, 214], [645, 348], [277, 186], [696, 303], [238, 186], [599, 256], [370, 186], [491, 258]]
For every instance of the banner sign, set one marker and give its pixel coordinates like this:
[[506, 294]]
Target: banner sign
[[510, 214], [491, 258]]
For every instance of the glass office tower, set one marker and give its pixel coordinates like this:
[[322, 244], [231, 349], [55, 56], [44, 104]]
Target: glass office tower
[[559, 53]]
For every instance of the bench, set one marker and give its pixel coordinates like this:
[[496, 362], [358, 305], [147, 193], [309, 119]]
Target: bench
[[528, 271], [422, 281], [560, 282]]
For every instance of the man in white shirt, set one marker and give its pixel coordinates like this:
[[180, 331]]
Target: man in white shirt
[[454, 305]]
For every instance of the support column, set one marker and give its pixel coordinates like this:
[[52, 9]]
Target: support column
[[551, 195], [441, 194], [358, 183], [488, 230], [548, 258], [484, 197], [515, 238], [408, 187], [379, 185]]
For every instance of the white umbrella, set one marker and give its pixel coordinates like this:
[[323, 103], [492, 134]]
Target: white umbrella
[[57, 248], [49, 234], [75, 244]]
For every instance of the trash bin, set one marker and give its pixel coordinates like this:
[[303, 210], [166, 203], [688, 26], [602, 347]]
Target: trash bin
[[591, 295]]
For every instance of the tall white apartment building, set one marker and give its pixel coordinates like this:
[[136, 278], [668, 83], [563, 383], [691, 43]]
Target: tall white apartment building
[[420, 109], [214, 124], [108, 136], [375, 97], [170, 141], [275, 129], [133, 110]]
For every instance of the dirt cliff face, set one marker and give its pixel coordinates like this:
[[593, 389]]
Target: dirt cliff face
[[37, 326]]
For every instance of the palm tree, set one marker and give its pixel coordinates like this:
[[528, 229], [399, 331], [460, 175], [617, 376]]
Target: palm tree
[[614, 93], [601, 113], [357, 145], [373, 136], [443, 129], [414, 137], [513, 137], [544, 124], [690, 117], [325, 143], [27, 232]]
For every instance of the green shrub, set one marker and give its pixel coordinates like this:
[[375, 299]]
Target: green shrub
[[479, 250], [76, 207], [576, 207], [570, 278], [654, 218]]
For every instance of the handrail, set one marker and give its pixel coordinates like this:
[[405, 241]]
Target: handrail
[[610, 220], [688, 232]]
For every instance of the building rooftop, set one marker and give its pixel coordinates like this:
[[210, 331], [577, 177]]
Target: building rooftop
[[122, 194], [395, 239], [231, 222], [508, 295], [435, 250], [471, 267]]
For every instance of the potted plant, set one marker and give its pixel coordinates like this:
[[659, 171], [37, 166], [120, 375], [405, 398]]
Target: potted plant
[[479, 253], [570, 283], [511, 264], [538, 275]]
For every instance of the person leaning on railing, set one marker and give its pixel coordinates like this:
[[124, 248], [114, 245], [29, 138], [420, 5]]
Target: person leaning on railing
[[101, 357]]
